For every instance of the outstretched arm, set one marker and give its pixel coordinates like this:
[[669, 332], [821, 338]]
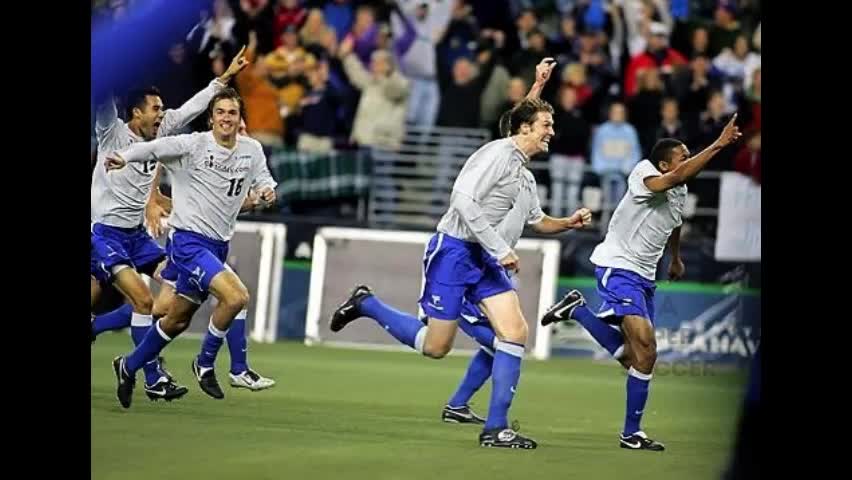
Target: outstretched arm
[[549, 225], [690, 168], [164, 150], [542, 75]]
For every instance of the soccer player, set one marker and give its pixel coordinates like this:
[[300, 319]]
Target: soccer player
[[212, 172], [121, 249], [647, 219], [468, 258], [241, 375]]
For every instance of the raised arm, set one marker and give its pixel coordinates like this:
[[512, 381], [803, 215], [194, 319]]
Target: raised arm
[[106, 118], [174, 120], [542, 75], [690, 167]]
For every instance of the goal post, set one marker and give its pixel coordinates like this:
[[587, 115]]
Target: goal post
[[390, 261]]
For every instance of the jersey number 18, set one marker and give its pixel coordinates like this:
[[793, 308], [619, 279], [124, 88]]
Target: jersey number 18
[[236, 186]]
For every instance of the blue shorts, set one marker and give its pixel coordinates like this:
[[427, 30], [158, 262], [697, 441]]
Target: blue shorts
[[113, 246], [456, 271], [624, 292], [194, 260]]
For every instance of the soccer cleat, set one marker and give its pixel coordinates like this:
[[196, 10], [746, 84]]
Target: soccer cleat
[[126, 382], [165, 389], [562, 310], [349, 310], [505, 438], [251, 380], [460, 415], [640, 441], [207, 380], [161, 362]]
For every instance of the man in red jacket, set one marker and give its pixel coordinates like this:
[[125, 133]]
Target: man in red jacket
[[658, 55]]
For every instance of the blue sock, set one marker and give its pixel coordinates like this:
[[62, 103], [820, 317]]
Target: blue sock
[[637, 395], [482, 332], [504, 380], [210, 346], [237, 344], [139, 326], [151, 345], [608, 337], [402, 326], [114, 320], [477, 373]]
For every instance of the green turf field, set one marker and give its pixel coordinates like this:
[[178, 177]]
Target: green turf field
[[347, 414]]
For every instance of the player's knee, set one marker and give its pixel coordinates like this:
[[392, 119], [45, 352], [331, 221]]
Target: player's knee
[[437, 350], [516, 332], [143, 303], [646, 357], [237, 300]]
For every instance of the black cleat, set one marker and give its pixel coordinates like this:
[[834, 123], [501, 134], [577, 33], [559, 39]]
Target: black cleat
[[162, 368], [349, 310], [505, 438], [207, 380], [562, 310], [640, 441], [124, 392], [165, 389], [460, 415]]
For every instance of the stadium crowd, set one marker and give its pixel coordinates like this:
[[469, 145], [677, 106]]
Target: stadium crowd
[[340, 74]]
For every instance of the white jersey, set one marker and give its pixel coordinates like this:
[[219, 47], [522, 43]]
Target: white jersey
[[526, 210], [491, 177], [641, 225], [209, 182], [118, 198]]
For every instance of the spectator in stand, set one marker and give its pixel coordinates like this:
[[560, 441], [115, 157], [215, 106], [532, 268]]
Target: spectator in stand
[[599, 73], [726, 28], [747, 160], [713, 120], [364, 33], [526, 23], [176, 82], [568, 153], [692, 86], [615, 150], [338, 15], [316, 132], [658, 55], [462, 32], [494, 95], [461, 91], [515, 91], [417, 34], [256, 16], [670, 125], [737, 64], [287, 14], [312, 30], [380, 120], [524, 61], [574, 77], [218, 29], [263, 117], [700, 44], [645, 108], [287, 65], [639, 19], [565, 45]]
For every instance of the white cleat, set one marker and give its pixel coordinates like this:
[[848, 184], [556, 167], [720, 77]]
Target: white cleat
[[251, 380]]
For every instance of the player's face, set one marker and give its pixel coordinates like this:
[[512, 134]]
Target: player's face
[[226, 117], [150, 116], [542, 131], [679, 155]]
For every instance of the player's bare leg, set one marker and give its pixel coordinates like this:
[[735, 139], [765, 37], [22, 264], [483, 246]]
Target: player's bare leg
[[639, 335], [504, 312], [439, 338], [232, 298]]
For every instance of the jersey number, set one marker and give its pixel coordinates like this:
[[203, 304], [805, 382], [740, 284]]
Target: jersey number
[[149, 166], [236, 186]]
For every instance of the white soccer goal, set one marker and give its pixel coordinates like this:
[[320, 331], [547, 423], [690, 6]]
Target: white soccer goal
[[391, 263]]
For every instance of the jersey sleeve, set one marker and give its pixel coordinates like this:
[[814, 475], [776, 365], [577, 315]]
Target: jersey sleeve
[[168, 150], [636, 180], [536, 214], [174, 120], [262, 177], [480, 175], [106, 120]]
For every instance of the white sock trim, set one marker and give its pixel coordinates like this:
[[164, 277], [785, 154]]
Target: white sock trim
[[242, 315], [641, 376], [487, 350], [420, 339], [215, 331], [494, 344], [618, 352], [161, 332], [141, 320], [511, 348]]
